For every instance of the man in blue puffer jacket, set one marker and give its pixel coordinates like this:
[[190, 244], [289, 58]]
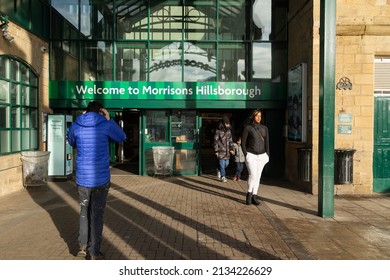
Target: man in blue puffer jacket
[[90, 135]]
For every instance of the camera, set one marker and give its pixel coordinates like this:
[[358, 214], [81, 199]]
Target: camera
[[43, 49]]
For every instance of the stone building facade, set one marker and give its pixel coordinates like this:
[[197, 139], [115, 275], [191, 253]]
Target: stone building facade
[[362, 35], [25, 47]]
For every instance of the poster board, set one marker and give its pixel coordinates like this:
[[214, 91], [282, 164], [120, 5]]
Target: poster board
[[297, 103]]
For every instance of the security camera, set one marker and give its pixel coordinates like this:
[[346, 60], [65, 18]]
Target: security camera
[[43, 49]]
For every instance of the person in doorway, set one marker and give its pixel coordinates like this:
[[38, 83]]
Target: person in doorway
[[255, 145], [222, 144], [90, 135], [239, 158]]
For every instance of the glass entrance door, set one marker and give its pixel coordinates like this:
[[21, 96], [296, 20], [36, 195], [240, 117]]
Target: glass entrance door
[[185, 140], [175, 128]]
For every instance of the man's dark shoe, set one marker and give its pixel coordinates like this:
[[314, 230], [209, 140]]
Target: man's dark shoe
[[83, 251], [100, 256], [249, 198], [255, 200]]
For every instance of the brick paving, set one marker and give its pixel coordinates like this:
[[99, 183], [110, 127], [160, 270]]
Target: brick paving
[[195, 218]]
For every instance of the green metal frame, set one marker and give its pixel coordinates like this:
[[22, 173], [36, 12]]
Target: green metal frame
[[145, 145], [327, 103], [20, 106]]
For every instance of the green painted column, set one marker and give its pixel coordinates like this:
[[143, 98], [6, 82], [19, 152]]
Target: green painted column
[[326, 108]]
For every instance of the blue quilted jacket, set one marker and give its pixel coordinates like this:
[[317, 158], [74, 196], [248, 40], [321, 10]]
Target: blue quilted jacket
[[90, 135]]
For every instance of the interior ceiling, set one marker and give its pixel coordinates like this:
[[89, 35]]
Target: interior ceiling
[[133, 9]]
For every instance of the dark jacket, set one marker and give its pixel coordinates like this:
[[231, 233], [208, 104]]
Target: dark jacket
[[223, 141], [238, 153], [90, 135], [255, 139]]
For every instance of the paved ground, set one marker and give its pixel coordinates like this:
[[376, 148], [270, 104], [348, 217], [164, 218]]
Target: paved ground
[[195, 218]]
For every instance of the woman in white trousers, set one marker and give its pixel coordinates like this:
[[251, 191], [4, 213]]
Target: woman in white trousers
[[255, 145]]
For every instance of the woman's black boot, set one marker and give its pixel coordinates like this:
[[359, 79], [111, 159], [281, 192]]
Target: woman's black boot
[[255, 200], [248, 198]]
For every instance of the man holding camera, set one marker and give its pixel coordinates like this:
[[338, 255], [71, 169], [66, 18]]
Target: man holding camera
[[90, 135]]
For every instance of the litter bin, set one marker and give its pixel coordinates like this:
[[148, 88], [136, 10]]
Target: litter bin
[[343, 166], [304, 164], [163, 160], [35, 167]]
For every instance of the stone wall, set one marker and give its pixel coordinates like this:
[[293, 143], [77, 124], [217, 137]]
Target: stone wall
[[302, 47], [362, 33], [27, 48]]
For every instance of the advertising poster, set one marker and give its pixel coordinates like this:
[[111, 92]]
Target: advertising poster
[[297, 103]]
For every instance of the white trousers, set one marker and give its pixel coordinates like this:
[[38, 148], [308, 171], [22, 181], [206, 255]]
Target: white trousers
[[255, 165]]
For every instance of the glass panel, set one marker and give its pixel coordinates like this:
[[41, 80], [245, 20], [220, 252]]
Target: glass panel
[[199, 62], [232, 20], [25, 95], [15, 72], [4, 116], [34, 139], [165, 21], [131, 61], [64, 66], [4, 91], [156, 126], [262, 19], [183, 126], [7, 7], [71, 47], [38, 17], [279, 60], [66, 46], [231, 61], [33, 97], [15, 117], [15, 94], [96, 61], [185, 161], [25, 139], [5, 140], [149, 162], [96, 19], [279, 26], [166, 61], [262, 61], [4, 69], [200, 20], [25, 117], [25, 74], [69, 9], [33, 79], [34, 118], [132, 20], [22, 12], [15, 140]]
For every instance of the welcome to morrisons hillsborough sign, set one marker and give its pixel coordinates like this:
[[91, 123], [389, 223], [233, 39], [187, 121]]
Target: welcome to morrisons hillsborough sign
[[70, 91]]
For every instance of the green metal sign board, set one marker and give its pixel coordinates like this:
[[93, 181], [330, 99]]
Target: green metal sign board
[[65, 93], [344, 129]]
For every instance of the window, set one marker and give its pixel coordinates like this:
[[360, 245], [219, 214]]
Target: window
[[18, 106], [382, 75], [175, 41]]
